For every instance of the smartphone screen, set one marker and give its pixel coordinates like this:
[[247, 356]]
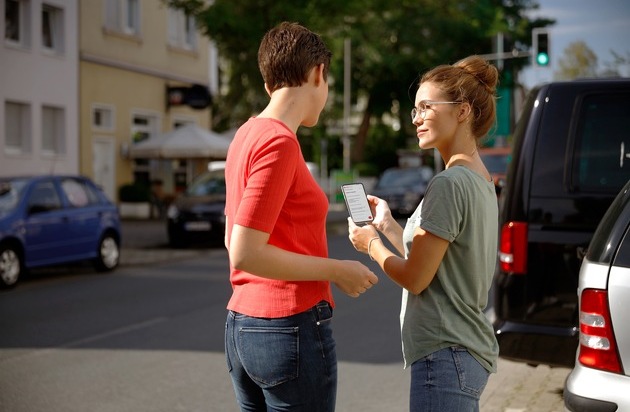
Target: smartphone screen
[[357, 203]]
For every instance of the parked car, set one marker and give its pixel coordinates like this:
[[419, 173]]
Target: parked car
[[403, 188], [569, 161], [198, 214], [496, 160], [51, 220], [600, 380]]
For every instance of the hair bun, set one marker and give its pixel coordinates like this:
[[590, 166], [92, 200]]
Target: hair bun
[[486, 73]]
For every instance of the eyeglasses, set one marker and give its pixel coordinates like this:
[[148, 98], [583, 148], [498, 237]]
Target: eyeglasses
[[423, 106]]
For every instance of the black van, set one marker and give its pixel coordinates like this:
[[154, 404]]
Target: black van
[[571, 156]]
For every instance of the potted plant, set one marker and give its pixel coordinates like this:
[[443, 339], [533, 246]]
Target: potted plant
[[135, 201]]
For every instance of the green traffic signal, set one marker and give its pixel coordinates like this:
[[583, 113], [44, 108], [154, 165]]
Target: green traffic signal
[[540, 42]]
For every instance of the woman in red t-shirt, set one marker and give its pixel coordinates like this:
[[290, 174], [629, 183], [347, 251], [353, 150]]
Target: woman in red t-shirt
[[279, 344]]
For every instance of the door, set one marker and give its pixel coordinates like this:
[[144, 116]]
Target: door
[[104, 165], [45, 224]]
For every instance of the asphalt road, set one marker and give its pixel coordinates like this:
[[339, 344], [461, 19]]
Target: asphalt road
[[149, 337]]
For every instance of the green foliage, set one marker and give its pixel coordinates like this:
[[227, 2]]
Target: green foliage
[[578, 60], [134, 193], [392, 44], [381, 147]]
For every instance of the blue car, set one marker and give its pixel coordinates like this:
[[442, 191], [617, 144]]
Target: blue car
[[52, 220]]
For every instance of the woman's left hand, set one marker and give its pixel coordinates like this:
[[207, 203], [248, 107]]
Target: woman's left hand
[[360, 235]]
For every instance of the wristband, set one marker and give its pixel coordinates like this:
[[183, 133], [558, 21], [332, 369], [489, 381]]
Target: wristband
[[370, 246]]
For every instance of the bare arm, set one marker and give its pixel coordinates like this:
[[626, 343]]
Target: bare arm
[[417, 271], [386, 224], [394, 233], [225, 237], [414, 273], [250, 251]]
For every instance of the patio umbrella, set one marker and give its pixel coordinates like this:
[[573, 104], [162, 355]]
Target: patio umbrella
[[187, 142]]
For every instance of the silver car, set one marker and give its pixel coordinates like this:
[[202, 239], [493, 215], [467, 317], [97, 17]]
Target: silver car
[[600, 380]]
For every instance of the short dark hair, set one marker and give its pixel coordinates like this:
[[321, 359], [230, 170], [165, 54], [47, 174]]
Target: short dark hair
[[288, 52]]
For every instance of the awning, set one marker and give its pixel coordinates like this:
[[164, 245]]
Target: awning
[[187, 142]]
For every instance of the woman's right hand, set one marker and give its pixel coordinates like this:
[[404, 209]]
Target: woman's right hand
[[354, 278], [382, 213]]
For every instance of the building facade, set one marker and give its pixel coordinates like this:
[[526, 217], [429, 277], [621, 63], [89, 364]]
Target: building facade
[[39, 87], [132, 54]]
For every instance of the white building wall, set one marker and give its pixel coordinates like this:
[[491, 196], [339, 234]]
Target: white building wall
[[31, 74]]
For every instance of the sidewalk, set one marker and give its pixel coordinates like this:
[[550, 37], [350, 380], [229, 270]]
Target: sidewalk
[[146, 241]]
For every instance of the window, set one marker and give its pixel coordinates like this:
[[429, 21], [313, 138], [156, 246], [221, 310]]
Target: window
[[17, 127], [52, 28], [53, 130], [103, 117], [16, 22], [182, 30], [44, 197], [78, 193], [143, 126], [123, 16], [602, 157]]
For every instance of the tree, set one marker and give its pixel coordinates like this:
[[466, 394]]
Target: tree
[[619, 65], [577, 61], [392, 44]]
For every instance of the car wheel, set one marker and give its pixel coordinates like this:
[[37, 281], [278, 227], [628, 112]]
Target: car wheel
[[10, 266], [175, 239], [108, 254]]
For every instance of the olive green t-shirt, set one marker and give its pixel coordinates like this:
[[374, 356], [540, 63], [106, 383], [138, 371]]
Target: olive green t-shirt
[[459, 206]]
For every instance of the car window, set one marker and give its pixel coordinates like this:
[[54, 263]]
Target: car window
[[208, 184], [78, 193], [44, 197], [404, 177], [10, 194], [601, 160]]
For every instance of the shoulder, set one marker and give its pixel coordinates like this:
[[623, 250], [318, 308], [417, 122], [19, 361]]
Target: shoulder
[[460, 176], [264, 135], [446, 181], [458, 184]]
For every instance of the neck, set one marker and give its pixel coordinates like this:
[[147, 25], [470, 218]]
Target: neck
[[462, 157], [283, 107]]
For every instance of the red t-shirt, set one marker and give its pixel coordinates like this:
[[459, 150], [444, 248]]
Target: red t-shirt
[[269, 188]]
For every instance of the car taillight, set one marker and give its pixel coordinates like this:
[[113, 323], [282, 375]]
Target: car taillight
[[513, 248], [597, 341]]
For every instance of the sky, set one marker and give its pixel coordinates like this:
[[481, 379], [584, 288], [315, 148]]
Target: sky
[[603, 25]]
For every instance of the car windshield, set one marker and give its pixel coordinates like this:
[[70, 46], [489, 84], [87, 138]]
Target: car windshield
[[209, 183], [404, 177], [10, 194]]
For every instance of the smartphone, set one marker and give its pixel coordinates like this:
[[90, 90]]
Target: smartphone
[[357, 203]]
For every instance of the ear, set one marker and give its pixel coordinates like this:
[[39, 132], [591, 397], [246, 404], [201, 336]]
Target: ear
[[465, 110], [318, 74], [267, 90]]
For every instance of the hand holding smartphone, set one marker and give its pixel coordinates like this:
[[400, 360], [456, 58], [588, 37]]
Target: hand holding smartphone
[[357, 203]]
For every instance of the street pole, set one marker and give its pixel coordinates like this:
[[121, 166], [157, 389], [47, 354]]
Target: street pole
[[346, 104]]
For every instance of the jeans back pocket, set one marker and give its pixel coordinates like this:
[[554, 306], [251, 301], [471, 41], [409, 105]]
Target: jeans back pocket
[[270, 355]]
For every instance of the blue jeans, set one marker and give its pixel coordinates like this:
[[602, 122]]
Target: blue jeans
[[450, 379], [283, 364]]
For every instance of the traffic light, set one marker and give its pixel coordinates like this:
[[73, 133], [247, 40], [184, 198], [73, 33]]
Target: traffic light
[[540, 45]]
